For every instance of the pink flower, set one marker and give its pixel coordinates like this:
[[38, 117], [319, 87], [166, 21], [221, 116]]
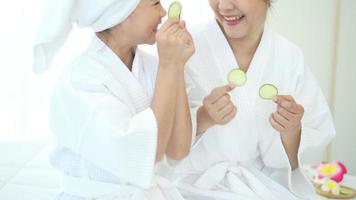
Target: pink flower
[[334, 171]]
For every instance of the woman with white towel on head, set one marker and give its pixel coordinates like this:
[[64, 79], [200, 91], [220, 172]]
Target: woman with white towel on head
[[248, 147], [116, 111]]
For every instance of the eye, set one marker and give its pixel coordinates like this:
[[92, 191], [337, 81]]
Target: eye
[[157, 3]]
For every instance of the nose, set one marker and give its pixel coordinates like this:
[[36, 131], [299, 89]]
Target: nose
[[163, 12], [225, 5]]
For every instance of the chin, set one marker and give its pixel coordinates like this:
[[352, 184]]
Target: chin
[[151, 42], [235, 34], [148, 41]]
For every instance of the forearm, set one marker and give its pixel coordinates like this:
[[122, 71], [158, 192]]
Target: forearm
[[203, 121], [291, 145], [163, 105], [181, 138]]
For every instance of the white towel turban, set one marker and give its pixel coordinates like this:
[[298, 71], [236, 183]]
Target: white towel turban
[[60, 15]]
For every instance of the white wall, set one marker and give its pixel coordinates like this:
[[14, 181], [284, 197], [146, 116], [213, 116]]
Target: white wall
[[11, 68], [311, 25], [25, 96], [344, 145]]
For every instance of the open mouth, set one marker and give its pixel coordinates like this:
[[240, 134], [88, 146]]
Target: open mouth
[[233, 20], [155, 29]]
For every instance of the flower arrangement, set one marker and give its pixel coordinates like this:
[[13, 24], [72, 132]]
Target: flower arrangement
[[334, 171], [327, 178]]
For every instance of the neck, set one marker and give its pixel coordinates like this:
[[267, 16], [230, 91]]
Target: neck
[[123, 48], [245, 48], [246, 45]]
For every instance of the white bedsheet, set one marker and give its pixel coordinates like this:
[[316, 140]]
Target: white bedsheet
[[25, 173]]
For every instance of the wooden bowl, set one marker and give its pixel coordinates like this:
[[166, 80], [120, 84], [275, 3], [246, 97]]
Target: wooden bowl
[[330, 195]]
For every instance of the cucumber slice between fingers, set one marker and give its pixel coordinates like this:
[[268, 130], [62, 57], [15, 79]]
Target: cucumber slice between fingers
[[268, 91], [237, 77], [175, 10]]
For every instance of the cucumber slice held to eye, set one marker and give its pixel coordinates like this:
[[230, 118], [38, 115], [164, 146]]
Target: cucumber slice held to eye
[[268, 91], [175, 10], [237, 77]]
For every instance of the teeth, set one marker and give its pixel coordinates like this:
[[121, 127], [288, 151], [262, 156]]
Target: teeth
[[232, 18]]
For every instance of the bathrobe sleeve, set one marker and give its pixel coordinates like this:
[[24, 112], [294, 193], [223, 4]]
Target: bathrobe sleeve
[[317, 124], [317, 131], [93, 122]]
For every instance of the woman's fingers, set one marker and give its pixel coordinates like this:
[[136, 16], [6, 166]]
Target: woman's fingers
[[218, 92], [285, 113], [225, 110], [288, 116], [280, 119], [167, 24], [219, 105], [222, 102], [173, 30], [229, 116], [288, 103], [275, 124]]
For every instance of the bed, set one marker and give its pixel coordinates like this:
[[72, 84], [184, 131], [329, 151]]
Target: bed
[[25, 173]]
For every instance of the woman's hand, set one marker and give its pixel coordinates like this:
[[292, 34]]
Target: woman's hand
[[175, 44], [287, 120], [217, 108]]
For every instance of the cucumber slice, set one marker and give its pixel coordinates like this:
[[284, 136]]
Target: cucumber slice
[[237, 77], [175, 10], [345, 191], [268, 91]]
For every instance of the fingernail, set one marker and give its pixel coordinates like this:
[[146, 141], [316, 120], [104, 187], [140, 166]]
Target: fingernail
[[275, 99], [232, 86], [182, 23]]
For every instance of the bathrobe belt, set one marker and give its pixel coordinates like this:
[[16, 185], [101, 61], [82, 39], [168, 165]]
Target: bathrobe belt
[[235, 178]]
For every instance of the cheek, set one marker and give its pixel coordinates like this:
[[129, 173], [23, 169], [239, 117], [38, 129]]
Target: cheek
[[257, 16], [213, 5], [260, 18], [149, 30], [143, 28]]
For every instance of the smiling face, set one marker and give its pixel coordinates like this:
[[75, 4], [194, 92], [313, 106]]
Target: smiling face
[[142, 24], [240, 18]]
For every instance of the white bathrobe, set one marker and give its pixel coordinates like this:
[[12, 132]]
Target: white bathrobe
[[105, 129], [245, 159]]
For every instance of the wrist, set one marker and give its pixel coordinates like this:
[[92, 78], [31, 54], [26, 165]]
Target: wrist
[[294, 133], [171, 65], [203, 120], [291, 140]]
